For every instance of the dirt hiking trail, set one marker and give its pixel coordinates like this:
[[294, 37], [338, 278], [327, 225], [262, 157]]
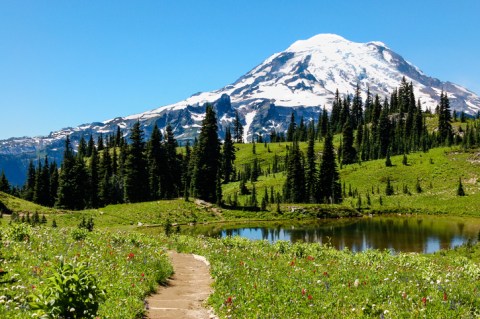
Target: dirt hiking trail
[[186, 291]]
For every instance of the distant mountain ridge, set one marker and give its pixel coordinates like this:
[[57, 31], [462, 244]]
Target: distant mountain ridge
[[302, 79]]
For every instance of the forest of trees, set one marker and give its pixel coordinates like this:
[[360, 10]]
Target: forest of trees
[[116, 170]]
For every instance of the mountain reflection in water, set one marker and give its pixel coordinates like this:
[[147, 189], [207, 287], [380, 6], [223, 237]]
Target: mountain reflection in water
[[407, 234]]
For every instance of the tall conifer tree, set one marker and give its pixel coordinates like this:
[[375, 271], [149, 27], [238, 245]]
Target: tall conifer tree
[[207, 158]]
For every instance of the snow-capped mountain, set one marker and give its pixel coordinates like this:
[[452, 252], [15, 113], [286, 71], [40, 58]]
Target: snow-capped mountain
[[302, 79]]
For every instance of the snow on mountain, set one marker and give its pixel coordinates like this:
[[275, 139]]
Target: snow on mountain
[[302, 79], [307, 74]]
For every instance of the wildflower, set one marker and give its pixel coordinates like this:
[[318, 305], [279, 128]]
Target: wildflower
[[130, 256], [310, 258], [292, 263], [143, 275], [310, 297], [228, 301], [356, 283], [325, 274], [304, 291], [445, 296], [424, 301]]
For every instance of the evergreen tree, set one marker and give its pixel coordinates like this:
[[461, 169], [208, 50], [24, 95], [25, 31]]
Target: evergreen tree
[[105, 191], [72, 181], [294, 186], [100, 145], [357, 108], [42, 184], [53, 183], [329, 187], [93, 199], [292, 128], [349, 154], [4, 183], [460, 190], [155, 161], [30, 184], [228, 157], [444, 120], [237, 129], [311, 170], [82, 147], [135, 172], [172, 184], [389, 188], [207, 158], [323, 124], [383, 135], [90, 147]]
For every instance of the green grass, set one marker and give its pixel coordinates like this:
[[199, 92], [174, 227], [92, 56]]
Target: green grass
[[127, 265], [257, 279], [438, 171]]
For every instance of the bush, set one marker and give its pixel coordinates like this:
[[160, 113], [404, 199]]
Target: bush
[[19, 232], [79, 234], [72, 292]]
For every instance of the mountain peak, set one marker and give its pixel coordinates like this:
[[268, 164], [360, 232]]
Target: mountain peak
[[316, 41]]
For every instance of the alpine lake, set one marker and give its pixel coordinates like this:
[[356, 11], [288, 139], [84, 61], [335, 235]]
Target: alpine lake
[[413, 233]]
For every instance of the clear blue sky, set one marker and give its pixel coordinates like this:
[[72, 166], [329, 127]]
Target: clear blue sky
[[65, 63]]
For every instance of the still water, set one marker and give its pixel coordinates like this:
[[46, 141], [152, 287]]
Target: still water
[[406, 234]]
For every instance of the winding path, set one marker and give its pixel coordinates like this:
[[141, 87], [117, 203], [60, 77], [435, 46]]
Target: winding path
[[186, 291]]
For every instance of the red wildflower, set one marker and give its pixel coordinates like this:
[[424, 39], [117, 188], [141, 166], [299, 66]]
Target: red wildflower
[[130, 256], [292, 263], [424, 301], [143, 275], [310, 297], [310, 258], [445, 296], [303, 291], [404, 295], [228, 301], [325, 274]]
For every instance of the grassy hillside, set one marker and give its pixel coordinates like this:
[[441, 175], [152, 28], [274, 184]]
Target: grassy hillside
[[438, 172]]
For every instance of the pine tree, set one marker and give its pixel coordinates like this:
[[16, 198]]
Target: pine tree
[[357, 108], [155, 161], [228, 157], [311, 170], [82, 147], [172, 184], [329, 186], [4, 183], [389, 188], [135, 172], [237, 129], [323, 124], [93, 188], [444, 120], [42, 184], [383, 135], [53, 183], [207, 158], [90, 147], [105, 175], [30, 184], [349, 154], [460, 190], [292, 128], [294, 186], [72, 181]]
